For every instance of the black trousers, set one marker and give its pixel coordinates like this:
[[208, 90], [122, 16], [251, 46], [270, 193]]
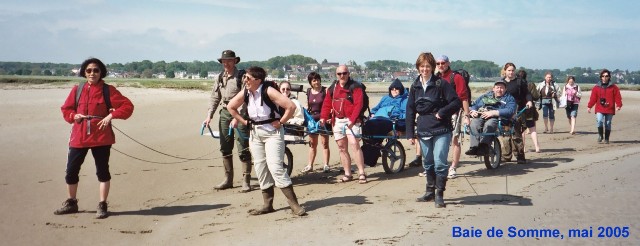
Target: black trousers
[[76, 158]]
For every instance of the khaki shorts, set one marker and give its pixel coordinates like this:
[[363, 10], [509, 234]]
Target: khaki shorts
[[340, 129]]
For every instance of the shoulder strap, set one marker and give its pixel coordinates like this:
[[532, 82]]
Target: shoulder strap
[[241, 73], [308, 95], [79, 92], [105, 93], [107, 96]]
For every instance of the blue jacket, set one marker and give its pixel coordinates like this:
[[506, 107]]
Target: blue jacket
[[392, 107], [426, 122], [506, 108]]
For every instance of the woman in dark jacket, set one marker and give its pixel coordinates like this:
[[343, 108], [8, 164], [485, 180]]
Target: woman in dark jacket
[[434, 101]]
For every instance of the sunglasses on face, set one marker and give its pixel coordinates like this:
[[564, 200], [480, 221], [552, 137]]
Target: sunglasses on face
[[395, 89], [247, 77], [440, 63], [343, 73], [92, 70]]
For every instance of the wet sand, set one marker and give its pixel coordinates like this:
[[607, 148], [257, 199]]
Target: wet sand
[[575, 183]]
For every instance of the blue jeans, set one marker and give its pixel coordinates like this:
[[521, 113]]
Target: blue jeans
[[548, 112], [607, 120], [434, 153]]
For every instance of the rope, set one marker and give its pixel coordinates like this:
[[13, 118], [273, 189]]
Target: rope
[[159, 152]]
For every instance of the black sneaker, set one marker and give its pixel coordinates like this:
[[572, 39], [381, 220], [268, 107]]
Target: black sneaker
[[102, 211], [472, 151], [69, 206], [416, 162]]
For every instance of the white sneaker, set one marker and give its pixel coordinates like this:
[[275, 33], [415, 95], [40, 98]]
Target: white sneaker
[[326, 169], [452, 173], [422, 174]]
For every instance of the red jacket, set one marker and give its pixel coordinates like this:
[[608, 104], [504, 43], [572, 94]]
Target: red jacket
[[460, 84], [92, 103], [611, 93], [333, 108]]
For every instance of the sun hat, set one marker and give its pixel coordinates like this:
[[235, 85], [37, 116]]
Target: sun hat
[[228, 54]]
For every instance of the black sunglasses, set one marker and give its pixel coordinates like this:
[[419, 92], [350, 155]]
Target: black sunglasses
[[92, 70], [343, 73]]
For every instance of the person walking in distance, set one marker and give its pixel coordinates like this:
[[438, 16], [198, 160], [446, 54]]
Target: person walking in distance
[[229, 83], [605, 96]]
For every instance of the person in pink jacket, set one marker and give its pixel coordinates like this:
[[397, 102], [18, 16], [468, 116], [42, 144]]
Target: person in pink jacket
[[90, 117], [606, 97]]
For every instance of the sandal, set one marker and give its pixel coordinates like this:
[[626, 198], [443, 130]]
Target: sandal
[[345, 179], [362, 179], [307, 169]]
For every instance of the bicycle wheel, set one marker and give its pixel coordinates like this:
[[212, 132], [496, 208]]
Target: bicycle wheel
[[288, 160], [393, 157], [492, 160]]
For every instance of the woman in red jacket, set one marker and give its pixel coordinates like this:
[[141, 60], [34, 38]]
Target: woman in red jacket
[[91, 130], [606, 97]]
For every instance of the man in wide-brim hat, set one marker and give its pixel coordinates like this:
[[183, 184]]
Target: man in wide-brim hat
[[228, 84], [229, 55]]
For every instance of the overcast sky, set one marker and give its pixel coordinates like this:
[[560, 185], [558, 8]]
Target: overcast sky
[[532, 34]]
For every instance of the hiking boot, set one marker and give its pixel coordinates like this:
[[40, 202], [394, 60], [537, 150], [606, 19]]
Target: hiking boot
[[102, 212], [69, 206]]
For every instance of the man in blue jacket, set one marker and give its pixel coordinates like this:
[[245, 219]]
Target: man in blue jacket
[[486, 112]]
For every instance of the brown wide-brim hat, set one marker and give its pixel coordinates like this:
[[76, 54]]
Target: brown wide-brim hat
[[229, 54]]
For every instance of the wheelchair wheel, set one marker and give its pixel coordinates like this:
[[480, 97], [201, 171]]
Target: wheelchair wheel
[[393, 157], [288, 160], [492, 160]]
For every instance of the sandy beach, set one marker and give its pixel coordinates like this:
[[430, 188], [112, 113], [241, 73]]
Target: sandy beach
[[574, 184]]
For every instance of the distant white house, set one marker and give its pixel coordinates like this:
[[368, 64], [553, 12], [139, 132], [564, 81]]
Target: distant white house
[[180, 74]]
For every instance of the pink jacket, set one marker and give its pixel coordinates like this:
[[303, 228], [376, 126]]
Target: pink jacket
[[92, 103]]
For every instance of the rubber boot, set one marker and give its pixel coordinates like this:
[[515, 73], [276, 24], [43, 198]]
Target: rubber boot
[[267, 207], [430, 188], [227, 183], [600, 130], [441, 183], [293, 201], [607, 133], [246, 176]]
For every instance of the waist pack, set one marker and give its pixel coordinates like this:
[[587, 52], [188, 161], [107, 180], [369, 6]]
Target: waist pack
[[546, 101]]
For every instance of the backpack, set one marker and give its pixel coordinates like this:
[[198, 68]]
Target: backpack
[[467, 78], [351, 85], [241, 73], [266, 100], [105, 93]]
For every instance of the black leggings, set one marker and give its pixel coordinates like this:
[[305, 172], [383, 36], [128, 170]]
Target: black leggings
[[76, 158]]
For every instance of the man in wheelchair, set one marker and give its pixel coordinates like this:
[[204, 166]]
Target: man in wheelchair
[[494, 106], [389, 111]]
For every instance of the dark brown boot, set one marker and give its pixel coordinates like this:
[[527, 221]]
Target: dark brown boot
[[246, 176], [227, 183], [293, 201], [267, 207]]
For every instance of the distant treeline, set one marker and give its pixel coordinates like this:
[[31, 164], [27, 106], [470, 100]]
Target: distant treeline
[[278, 66]]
